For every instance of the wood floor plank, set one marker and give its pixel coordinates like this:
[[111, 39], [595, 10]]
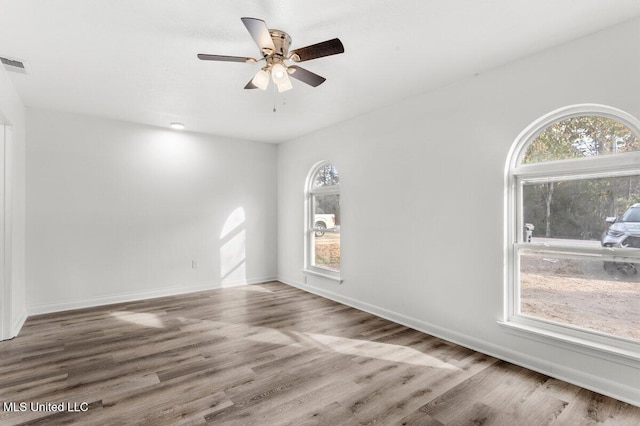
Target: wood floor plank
[[270, 354], [331, 414], [419, 418]]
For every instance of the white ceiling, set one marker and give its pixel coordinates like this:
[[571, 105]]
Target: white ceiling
[[136, 60]]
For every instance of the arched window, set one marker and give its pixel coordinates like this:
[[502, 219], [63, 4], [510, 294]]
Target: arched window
[[322, 252], [573, 228]]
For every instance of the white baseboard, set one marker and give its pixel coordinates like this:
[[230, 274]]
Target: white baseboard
[[583, 379], [66, 305]]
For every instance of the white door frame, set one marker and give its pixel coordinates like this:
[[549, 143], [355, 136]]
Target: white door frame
[[5, 263]]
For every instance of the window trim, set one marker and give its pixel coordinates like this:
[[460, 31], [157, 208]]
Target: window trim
[[309, 249], [592, 342], [518, 149]]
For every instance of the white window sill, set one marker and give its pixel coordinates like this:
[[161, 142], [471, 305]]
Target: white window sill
[[628, 355], [322, 274]]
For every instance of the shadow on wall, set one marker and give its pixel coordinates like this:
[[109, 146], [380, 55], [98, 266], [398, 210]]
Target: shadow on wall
[[233, 249]]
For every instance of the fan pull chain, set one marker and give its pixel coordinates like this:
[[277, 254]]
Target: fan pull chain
[[274, 98]]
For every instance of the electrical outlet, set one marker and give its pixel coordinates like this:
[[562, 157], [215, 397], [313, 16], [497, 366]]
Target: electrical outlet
[[194, 264]]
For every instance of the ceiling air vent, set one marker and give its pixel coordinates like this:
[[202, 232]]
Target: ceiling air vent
[[14, 65]]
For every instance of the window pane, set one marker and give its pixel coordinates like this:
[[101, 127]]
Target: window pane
[[327, 251], [581, 291], [579, 137], [326, 237], [326, 175], [584, 209]]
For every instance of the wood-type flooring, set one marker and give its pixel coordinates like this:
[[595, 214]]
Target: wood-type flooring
[[268, 354]]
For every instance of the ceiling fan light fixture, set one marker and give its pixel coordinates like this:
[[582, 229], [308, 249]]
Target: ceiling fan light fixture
[[280, 77], [279, 73], [261, 79], [284, 86]]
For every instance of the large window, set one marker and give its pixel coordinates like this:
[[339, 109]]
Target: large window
[[574, 228], [323, 221]]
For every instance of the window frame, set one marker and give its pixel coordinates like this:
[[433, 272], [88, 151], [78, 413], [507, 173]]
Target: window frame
[[309, 228], [517, 175]]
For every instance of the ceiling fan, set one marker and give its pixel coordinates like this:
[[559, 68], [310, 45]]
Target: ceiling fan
[[274, 48]]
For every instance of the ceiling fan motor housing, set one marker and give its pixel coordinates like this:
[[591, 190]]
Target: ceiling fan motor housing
[[281, 41]]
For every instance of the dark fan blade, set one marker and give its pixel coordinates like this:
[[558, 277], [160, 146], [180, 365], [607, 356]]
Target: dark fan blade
[[326, 48], [250, 85], [206, 57], [306, 76], [260, 33]]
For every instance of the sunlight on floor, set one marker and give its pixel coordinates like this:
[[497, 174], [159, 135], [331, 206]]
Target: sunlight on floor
[[139, 318], [353, 347], [382, 351], [254, 288]]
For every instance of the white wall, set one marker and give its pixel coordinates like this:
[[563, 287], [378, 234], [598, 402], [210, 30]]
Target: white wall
[[422, 202], [12, 216], [117, 211]]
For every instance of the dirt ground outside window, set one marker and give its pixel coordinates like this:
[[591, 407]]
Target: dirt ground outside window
[[581, 293], [327, 250]]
